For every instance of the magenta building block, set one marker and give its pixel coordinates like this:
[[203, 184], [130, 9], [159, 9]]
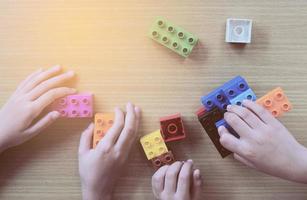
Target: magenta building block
[[75, 106]]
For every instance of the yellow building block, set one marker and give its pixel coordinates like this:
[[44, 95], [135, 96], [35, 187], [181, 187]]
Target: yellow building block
[[103, 122], [153, 145]]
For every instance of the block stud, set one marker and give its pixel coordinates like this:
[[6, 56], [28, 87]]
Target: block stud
[[155, 34], [85, 101], [268, 103], [170, 29], [175, 45], [279, 96], [185, 51], [286, 107], [63, 102], [165, 39], [160, 23], [172, 128], [191, 41], [180, 35], [74, 101]]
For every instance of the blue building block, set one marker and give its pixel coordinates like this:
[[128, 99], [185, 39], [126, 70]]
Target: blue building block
[[222, 122], [235, 87], [248, 94], [216, 98], [221, 96]]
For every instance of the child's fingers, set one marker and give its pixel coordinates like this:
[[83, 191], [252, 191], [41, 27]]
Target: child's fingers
[[41, 77], [262, 113], [47, 85], [128, 135], [237, 124], [50, 96], [113, 133], [229, 141], [41, 124], [196, 186], [86, 139], [29, 78], [248, 116], [158, 179], [243, 160], [184, 179], [172, 176]]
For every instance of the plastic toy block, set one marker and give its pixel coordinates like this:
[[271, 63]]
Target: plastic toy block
[[164, 159], [235, 87], [222, 122], [200, 111], [216, 98], [172, 128], [222, 96], [173, 37], [238, 31], [153, 145], [276, 102], [74, 106], [248, 94], [103, 122], [208, 120]]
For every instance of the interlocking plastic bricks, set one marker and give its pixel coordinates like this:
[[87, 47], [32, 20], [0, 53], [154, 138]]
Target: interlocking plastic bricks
[[248, 94], [208, 120], [222, 96], [164, 159], [216, 98], [235, 87], [238, 30], [172, 128], [75, 106], [153, 145], [173, 37], [222, 122], [103, 122], [276, 102]]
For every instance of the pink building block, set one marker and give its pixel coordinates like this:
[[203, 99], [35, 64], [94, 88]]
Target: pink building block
[[75, 106]]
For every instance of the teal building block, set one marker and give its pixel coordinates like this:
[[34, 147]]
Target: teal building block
[[173, 37]]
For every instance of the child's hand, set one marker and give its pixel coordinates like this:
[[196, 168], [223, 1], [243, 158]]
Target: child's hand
[[100, 168], [36, 92], [178, 181], [264, 144]]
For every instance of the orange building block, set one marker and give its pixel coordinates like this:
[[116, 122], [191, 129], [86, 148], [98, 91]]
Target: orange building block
[[276, 102], [103, 122]]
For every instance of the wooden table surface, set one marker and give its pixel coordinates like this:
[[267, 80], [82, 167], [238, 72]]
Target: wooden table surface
[[106, 43]]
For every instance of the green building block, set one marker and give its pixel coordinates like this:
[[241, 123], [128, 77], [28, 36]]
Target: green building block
[[173, 37]]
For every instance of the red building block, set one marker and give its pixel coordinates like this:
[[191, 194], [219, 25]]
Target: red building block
[[164, 159], [172, 128], [208, 120]]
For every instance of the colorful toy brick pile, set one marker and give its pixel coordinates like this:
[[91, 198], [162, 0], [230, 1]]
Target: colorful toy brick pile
[[234, 92], [214, 104], [154, 144]]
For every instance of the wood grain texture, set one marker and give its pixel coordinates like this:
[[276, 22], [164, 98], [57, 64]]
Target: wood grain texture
[[105, 42]]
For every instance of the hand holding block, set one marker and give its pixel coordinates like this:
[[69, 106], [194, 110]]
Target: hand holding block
[[276, 102], [153, 145], [103, 122], [172, 128], [74, 106]]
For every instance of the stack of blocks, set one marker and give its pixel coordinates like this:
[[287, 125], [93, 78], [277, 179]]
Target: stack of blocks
[[74, 106], [234, 92], [154, 144], [173, 37]]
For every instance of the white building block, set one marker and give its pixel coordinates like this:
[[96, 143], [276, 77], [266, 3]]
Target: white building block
[[239, 30]]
